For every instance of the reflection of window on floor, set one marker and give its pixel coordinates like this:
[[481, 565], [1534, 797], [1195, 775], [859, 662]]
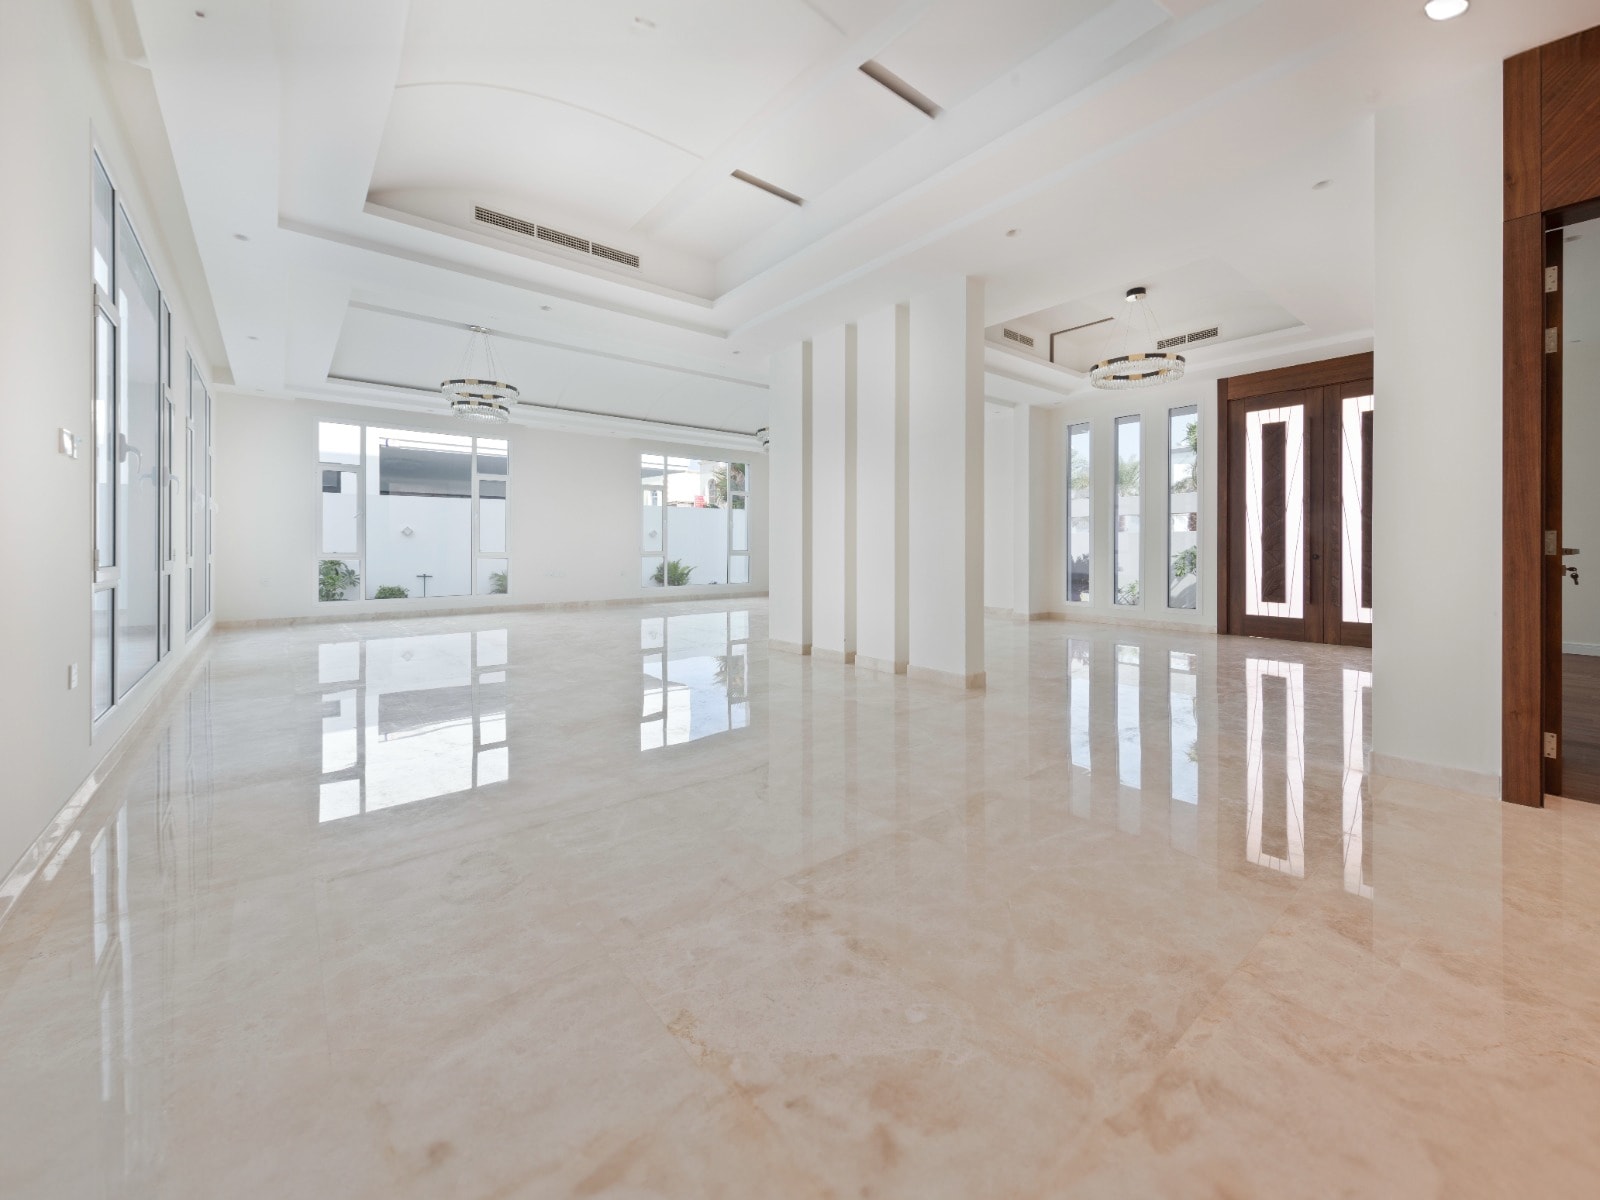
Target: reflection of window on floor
[[1276, 717], [695, 522], [410, 514], [421, 717], [1080, 662], [1185, 689], [1357, 690], [696, 677], [1127, 699]]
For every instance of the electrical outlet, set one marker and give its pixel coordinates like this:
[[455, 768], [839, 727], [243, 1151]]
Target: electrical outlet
[[72, 676], [67, 443]]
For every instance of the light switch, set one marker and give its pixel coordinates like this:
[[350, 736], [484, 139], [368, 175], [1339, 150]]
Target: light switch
[[68, 443], [72, 676]]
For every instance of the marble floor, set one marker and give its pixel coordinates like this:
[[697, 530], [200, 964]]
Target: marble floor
[[612, 903]]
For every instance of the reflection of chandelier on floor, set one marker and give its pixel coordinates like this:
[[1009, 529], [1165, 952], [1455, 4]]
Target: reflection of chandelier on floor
[[1138, 370], [480, 399]]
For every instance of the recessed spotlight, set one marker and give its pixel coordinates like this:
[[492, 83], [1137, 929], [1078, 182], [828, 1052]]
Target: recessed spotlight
[[643, 23], [1444, 10], [252, 337], [241, 237], [201, 13], [544, 308], [736, 353], [1321, 184], [1012, 232]]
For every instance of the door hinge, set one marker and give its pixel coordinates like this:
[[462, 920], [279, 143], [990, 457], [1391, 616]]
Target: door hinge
[[1552, 279], [1552, 544], [1552, 340], [1551, 745]]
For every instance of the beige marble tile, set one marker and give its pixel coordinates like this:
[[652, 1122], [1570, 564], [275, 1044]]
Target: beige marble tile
[[510, 905]]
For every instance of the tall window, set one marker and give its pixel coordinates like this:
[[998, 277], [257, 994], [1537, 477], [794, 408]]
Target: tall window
[[695, 526], [1183, 508], [1126, 542], [406, 514], [130, 467], [1080, 513], [199, 497]]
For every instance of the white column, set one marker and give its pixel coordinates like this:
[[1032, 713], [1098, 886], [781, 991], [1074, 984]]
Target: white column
[[1436, 544], [789, 501], [883, 397], [999, 505], [833, 494], [946, 483], [1032, 500]]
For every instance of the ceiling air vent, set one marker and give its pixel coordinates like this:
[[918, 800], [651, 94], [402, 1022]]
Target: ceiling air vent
[[1187, 339], [544, 233], [1013, 336], [617, 256]]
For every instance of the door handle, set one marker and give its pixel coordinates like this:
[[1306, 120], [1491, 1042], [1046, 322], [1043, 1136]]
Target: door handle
[[1569, 550]]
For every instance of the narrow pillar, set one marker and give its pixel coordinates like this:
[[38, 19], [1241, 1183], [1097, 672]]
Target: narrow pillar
[[789, 501], [833, 494], [883, 397], [946, 483]]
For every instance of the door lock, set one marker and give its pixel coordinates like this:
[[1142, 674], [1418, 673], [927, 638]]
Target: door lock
[[1572, 571]]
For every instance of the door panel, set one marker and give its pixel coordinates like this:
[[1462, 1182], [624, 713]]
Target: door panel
[[1298, 505]]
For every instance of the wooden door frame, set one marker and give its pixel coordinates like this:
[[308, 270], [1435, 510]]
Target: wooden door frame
[[1327, 373], [1552, 176]]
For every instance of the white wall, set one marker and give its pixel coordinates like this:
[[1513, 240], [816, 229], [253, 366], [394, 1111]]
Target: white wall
[[1580, 501], [574, 513], [1436, 551], [58, 102], [999, 504], [1152, 407]]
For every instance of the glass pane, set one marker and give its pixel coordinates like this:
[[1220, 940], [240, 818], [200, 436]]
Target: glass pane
[[104, 207], [493, 577], [492, 516], [739, 569], [1355, 491], [1183, 508], [419, 514], [493, 456], [138, 460], [105, 441], [341, 505], [339, 443], [653, 477], [739, 524], [1080, 513], [101, 650], [1274, 512], [1126, 542], [650, 570], [697, 545]]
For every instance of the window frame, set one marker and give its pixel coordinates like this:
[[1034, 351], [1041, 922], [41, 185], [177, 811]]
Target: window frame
[[1136, 420], [1173, 415]]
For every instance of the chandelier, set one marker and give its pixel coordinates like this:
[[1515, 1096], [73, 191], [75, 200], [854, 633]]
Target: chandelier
[[1125, 371], [475, 399]]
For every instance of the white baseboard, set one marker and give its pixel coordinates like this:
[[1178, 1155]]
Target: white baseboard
[[1455, 779], [977, 681], [823, 654], [783, 647], [1589, 648], [883, 666]]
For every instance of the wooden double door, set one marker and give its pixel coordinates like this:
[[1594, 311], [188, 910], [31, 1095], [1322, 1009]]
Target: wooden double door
[[1296, 502]]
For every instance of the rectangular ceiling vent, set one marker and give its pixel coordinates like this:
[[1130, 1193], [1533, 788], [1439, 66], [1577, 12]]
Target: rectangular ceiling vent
[[1013, 336], [1187, 339], [544, 233]]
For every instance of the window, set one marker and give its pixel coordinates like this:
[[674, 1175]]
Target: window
[[1126, 543], [695, 522], [1080, 513], [131, 530], [1183, 508], [410, 514], [199, 497]]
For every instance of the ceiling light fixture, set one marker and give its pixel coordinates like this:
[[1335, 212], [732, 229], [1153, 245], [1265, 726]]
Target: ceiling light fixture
[[1445, 10], [1125, 371], [476, 399], [770, 188], [886, 78]]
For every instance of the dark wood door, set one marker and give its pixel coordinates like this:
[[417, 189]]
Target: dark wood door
[[1297, 503]]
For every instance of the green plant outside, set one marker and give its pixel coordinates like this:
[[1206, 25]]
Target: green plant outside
[[335, 578], [390, 592], [497, 583], [677, 575], [1185, 563], [1128, 593]]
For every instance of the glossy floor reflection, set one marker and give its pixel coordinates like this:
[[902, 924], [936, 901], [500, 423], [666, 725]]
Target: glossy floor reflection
[[613, 903]]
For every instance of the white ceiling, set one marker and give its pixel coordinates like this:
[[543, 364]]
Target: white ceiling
[[1127, 141]]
